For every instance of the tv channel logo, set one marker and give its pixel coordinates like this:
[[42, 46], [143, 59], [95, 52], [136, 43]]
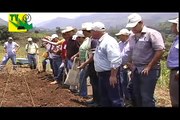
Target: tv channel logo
[[19, 23]]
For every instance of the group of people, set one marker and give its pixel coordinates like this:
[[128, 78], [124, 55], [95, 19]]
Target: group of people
[[122, 73]]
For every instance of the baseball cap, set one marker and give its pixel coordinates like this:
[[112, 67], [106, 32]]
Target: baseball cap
[[10, 38], [98, 26], [29, 39], [174, 20], [79, 33], [123, 32], [133, 20], [54, 36], [87, 26]]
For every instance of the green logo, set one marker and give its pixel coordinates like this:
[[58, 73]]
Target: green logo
[[19, 22]]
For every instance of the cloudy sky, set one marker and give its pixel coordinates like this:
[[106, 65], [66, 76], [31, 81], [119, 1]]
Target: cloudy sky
[[40, 17]]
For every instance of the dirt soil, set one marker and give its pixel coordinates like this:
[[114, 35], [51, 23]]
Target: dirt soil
[[28, 88]]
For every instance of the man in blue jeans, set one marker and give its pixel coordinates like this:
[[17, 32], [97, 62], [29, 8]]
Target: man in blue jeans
[[32, 51], [146, 49], [173, 65], [11, 49], [107, 59], [123, 37]]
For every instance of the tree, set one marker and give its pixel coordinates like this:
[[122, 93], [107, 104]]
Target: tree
[[58, 31], [4, 34]]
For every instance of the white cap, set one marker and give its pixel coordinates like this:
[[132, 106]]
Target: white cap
[[63, 31], [29, 39], [79, 33], [176, 21], [54, 36], [123, 32], [68, 29], [87, 26], [10, 38], [133, 20], [98, 26]]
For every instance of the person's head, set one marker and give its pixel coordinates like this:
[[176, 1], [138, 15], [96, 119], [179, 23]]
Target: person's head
[[30, 40], [80, 36], [64, 34], [54, 37], [70, 31], [175, 25], [10, 39], [98, 30], [135, 23], [123, 34], [86, 28]]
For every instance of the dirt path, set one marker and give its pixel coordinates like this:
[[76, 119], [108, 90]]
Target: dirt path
[[17, 93], [27, 88]]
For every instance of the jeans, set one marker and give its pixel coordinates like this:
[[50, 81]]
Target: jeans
[[174, 89], [83, 82], [94, 82], [6, 58], [56, 64], [109, 96], [144, 86], [32, 60]]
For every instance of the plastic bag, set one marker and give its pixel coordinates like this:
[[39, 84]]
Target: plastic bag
[[73, 74]]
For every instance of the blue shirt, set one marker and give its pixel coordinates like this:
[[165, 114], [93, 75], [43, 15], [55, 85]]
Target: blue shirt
[[107, 54], [173, 57], [125, 51]]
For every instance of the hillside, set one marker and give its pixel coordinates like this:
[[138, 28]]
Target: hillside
[[3, 22], [109, 19]]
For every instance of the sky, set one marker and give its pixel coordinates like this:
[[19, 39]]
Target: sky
[[40, 17]]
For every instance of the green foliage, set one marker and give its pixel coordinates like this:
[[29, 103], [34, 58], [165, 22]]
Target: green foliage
[[4, 34], [164, 77]]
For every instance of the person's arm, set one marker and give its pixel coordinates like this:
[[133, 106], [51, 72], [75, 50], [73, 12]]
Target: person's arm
[[17, 47], [76, 55], [156, 58], [37, 49], [159, 47], [52, 43], [115, 58], [5, 48]]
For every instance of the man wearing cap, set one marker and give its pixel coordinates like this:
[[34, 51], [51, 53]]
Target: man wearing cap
[[11, 49], [146, 47], [123, 37], [72, 48], [107, 59], [173, 64], [55, 51], [32, 50], [90, 45]]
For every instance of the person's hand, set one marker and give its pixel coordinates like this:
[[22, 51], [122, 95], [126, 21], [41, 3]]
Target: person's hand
[[72, 58], [113, 81], [146, 70], [81, 66]]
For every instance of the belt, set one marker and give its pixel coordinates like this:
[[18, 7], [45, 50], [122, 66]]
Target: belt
[[176, 68]]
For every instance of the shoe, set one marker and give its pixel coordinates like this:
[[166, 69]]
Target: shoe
[[90, 101], [74, 90], [54, 82], [93, 105]]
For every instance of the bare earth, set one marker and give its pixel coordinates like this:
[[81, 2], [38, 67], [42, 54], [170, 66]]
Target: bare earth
[[28, 88]]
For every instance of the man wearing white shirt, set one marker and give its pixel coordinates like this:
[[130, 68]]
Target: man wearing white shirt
[[10, 48], [107, 59]]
